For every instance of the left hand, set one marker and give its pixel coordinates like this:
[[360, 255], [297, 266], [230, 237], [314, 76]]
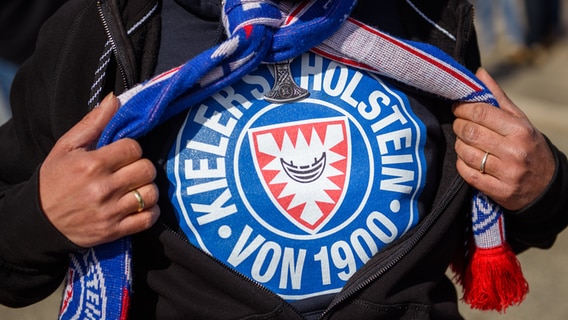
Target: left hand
[[520, 163]]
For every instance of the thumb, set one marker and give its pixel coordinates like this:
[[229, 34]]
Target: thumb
[[87, 131], [505, 103]]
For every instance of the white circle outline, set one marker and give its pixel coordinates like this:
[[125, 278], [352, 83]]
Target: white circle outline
[[253, 212]]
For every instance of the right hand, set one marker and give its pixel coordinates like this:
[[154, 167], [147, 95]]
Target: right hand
[[87, 194]]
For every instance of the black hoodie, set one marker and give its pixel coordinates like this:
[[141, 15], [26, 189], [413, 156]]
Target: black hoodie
[[172, 278]]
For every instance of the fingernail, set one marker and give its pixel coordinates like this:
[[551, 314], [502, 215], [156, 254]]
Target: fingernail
[[109, 97]]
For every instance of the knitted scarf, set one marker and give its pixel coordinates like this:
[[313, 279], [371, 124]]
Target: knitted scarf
[[262, 31]]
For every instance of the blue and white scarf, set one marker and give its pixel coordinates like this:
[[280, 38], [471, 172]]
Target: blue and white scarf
[[262, 31]]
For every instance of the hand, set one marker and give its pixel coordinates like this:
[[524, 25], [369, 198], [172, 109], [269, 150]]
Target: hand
[[520, 163], [87, 194]]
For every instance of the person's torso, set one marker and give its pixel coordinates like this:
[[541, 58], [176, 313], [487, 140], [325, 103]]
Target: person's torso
[[299, 195]]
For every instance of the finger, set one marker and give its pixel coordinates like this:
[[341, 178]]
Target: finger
[[130, 203], [483, 182], [134, 175], [85, 133], [505, 103], [119, 153], [503, 120], [139, 221], [477, 159], [478, 136], [500, 121]]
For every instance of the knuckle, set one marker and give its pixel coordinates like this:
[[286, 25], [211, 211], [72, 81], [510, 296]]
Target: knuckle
[[469, 157], [91, 166], [508, 192], [470, 133], [133, 147], [150, 196], [147, 221], [460, 147], [472, 178], [524, 160], [149, 217], [509, 195], [148, 169], [479, 112], [154, 194], [456, 125], [513, 189], [98, 192], [102, 232], [110, 235], [526, 130], [64, 144]]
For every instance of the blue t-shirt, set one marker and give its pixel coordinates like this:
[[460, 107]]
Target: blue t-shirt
[[298, 196]]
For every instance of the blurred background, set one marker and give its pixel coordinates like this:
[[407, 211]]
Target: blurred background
[[524, 45]]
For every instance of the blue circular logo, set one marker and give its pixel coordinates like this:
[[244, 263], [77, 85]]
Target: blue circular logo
[[298, 196]]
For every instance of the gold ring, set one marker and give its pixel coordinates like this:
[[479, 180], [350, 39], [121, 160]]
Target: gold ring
[[483, 162], [141, 203]]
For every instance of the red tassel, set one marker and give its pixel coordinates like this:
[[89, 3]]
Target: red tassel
[[494, 280]]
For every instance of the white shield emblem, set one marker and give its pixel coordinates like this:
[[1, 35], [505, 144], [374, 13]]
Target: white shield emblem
[[303, 167]]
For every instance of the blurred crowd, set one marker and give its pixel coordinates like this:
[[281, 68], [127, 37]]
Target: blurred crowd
[[518, 32]]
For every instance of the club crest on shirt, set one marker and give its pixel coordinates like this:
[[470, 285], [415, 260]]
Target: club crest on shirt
[[303, 166], [298, 196]]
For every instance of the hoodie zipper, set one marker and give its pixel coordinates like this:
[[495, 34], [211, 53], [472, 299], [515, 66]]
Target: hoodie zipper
[[470, 25], [114, 45], [233, 271], [344, 296], [396, 257], [404, 250]]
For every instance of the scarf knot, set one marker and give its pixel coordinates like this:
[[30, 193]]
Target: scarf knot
[[259, 31]]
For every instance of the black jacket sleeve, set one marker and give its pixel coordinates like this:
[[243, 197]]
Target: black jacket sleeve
[[538, 224], [23, 19], [33, 253], [50, 94]]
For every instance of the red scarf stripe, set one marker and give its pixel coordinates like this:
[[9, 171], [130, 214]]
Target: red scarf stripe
[[420, 54]]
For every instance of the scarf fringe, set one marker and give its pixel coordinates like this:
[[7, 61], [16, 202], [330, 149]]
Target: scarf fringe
[[492, 279]]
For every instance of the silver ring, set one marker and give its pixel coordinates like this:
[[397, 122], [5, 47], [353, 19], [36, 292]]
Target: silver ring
[[140, 200], [483, 162]]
